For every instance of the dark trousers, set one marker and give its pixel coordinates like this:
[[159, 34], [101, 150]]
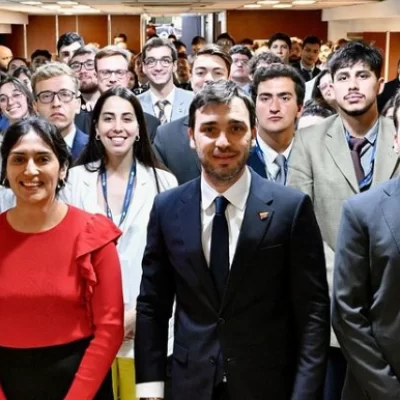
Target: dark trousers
[[45, 373], [335, 374], [221, 392]]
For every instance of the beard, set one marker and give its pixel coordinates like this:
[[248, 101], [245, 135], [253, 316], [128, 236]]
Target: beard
[[89, 88], [359, 112]]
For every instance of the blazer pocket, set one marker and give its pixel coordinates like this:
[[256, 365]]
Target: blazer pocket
[[180, 354]]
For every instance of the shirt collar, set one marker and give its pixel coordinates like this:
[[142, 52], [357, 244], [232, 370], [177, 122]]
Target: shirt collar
[[371, 134], [269, 153], [170, 97], [69, 139], [236, 195], [306, 68]]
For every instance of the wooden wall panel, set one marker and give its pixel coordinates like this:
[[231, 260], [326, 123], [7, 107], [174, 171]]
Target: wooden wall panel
[[93, 28], [15, 40], [394, 54], [41, 33], [66, 23], [263, 24], [130, 25], [378, 40]]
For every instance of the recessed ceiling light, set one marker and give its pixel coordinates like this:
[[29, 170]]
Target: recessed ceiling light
[[51, 6], [31, 3], [67, 3], [283, 6], [252, 6], [303, 2], [268, 2]]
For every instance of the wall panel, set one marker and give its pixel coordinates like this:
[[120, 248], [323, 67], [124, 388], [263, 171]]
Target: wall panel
[[394, 54], [66, 23], [41, 33], [130, 25], [15, 40], [93, 28]]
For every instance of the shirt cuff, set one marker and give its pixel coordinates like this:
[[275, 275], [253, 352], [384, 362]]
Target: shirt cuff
[[150, 389]]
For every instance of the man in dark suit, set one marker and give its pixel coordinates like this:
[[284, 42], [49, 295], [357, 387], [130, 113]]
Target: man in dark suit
[[366, 290], [389, 90], [171, 144], [309, 56], [252, 305]]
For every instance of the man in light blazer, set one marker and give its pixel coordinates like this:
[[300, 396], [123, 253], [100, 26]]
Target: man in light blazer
[[252, 306], [327, 164], [163, 100], [366, 290]]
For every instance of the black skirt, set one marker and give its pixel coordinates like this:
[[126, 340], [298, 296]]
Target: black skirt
[[45, 373]]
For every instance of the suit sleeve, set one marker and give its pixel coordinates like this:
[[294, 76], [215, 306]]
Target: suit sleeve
[[300, 174], [158, 148], [351, 299], [154, 305], [310, 303]]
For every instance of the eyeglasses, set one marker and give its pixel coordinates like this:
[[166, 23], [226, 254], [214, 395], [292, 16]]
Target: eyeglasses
[[77, 66], [238, 61], [64, 95], [106, 73], [164, 61], [324, 86], [16, 96]]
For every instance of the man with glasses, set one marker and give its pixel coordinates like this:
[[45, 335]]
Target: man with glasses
[[240, 72], [57, 99], [163, 100]]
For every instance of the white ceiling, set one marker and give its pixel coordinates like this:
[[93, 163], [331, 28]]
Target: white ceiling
[[159, 7]]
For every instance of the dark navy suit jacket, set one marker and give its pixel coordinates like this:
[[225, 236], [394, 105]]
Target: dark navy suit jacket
[[80, 141], [272, 326]]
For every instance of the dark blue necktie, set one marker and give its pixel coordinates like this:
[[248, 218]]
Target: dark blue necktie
[[219, 254]]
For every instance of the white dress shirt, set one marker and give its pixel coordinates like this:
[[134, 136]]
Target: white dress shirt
[[168, 107], [69, 139], [237, 196], [270, 155]]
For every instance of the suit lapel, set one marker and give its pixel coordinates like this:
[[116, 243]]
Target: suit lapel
[[339, 150], [178, 109], [391, 209], [90, 200], [186, 142], [190, 223], [386, 159], [255, 163], [253, 230]]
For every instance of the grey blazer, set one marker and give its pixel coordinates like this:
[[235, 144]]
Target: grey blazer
[[366, 296], [180, 105], [320, 165]]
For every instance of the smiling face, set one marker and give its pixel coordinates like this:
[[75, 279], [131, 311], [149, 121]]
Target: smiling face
[[222, 137], [159, 74], [13, 103], [33, 170], [117, 127]]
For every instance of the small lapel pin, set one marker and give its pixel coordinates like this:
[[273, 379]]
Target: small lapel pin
[[263, 215]]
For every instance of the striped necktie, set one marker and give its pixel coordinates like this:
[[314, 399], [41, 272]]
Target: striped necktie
[[161, 104]]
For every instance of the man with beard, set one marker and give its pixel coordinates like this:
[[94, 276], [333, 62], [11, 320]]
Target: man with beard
[[252, 310], [346, 154], [82, 63]]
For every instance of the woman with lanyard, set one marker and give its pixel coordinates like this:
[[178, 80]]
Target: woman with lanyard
[[117, 174]]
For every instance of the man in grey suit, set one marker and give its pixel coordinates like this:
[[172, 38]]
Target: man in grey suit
[[366, 290], [164, 100], [171, 143], [343, 156]]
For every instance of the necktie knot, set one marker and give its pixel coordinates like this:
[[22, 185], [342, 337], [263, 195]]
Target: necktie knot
[[356, 144], [280, 160], [220, 205], [161, 104]]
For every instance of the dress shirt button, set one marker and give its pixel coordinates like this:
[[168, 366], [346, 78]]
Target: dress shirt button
[[212, 360]]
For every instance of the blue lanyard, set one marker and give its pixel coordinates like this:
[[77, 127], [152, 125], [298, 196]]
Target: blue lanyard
[[367, 180], [128, 193], [260, 155]]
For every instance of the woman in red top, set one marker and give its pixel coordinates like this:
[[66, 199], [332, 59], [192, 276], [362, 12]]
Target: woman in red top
[[61, 308]]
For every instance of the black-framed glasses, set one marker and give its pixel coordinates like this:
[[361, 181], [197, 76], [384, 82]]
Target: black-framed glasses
[[64, 95], [77, 66], [106, 73], [16, 96], [164, 61]]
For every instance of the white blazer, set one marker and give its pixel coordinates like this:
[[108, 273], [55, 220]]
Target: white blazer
[[81, 191]]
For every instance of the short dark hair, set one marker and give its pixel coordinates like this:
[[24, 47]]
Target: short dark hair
[[220, 92], [84, 50], [396, 108], [315, 109], [197, 40], [23, 89], [68, 38], [280, 36], [156, 42], [240, 49], [265, 57], [354, 52], [215, 50], [178, 43], [122, 36], [311, 40], [281, 70], [47, 132], [22, 70], [247, 41], [41, 52], [17, 58], [172, 36], [95, 150]]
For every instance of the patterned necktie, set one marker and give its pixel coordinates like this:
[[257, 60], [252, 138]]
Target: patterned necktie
[[280, 161], [161, 104], [219, 252], [356, 145]]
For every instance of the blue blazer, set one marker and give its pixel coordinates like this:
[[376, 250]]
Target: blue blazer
[[255, 163], [80, 141], [272, 327]]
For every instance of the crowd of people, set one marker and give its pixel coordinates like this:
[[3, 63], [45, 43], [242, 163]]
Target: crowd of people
[[219, 225]]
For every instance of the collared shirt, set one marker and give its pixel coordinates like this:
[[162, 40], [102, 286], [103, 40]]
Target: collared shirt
[[308, 69], [69, 139], [168, 108], [237, 196], [270, 155], [367, 150]]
